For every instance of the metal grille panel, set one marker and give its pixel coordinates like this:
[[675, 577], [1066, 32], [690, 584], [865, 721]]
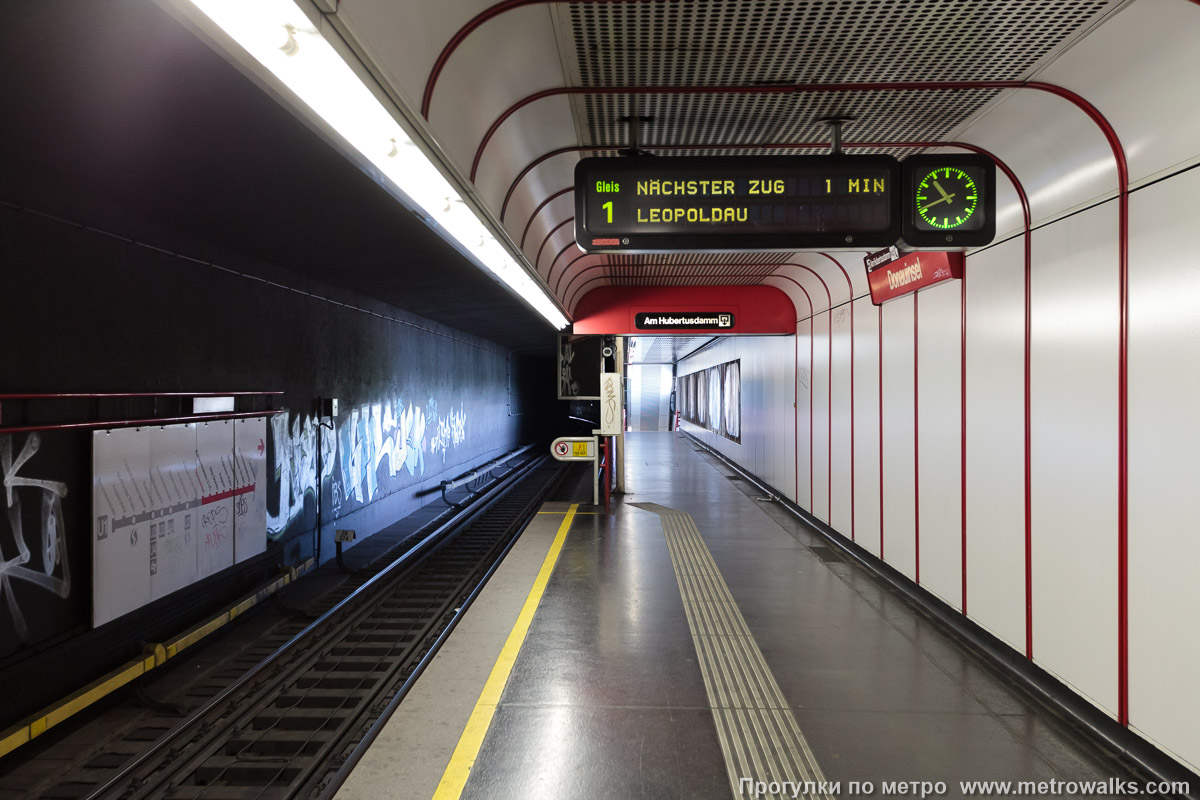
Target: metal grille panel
[[785, 42]]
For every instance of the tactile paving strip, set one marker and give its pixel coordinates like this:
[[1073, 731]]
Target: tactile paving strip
[[760, 738]]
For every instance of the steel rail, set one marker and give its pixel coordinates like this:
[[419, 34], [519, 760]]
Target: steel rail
[[350, 605]]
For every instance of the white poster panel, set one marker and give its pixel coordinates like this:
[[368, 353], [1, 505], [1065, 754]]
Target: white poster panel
[[214, 455], [250, 499], [176, 492], [121, 517], [612, 402]]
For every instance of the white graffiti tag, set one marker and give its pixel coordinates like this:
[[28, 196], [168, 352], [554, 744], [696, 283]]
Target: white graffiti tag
[[52, 547], [451, 431]]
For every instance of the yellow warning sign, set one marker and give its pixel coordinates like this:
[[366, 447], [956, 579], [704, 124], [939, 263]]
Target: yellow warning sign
[[580, 449]]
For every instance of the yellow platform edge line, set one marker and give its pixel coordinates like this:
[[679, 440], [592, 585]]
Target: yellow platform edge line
[[454, 779], [153, 656]]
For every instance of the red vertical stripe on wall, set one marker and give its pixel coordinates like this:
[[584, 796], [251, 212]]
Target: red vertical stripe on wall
[[812, 368], [829, 429], [852, 416], [796, 409], [962, 474], [1028, 457], [916, 449], [880, 432]]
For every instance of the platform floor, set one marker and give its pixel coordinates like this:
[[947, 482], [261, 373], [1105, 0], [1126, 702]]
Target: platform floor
[[693, 642]]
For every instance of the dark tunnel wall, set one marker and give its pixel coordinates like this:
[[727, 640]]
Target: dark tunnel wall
[[87, 312]]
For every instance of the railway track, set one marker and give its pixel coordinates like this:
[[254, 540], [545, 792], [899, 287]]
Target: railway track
[[295, 722]]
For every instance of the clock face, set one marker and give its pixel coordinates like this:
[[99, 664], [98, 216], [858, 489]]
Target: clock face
[[946, 198]]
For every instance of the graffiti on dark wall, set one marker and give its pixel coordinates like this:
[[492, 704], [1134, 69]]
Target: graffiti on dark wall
[[371, 443], [36, 558], [294, 460]]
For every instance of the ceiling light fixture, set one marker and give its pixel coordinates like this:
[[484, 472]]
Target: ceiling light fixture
[[279, 35]]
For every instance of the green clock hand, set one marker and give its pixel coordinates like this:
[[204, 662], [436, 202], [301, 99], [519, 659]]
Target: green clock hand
[[942, 191], [945, 199]]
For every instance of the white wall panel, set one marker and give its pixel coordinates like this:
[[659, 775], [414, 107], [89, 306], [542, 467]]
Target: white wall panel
[[805, 454], [785, 381], [768, 425], [1070, 168], [820, 420], [753, 401], [995, 441], [839, 429], [1134, 68], [866, 424], [899, 498], [1074, 454], [939, 444], [1164, 467]]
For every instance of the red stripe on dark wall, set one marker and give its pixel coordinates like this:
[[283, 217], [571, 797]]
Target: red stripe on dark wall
[[916, 448], [962, 474]]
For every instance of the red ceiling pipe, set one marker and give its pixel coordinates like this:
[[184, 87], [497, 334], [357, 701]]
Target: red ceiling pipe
[[1028, 263], [537, 210], [567, 269], [800, 88], [474, 24], [559, 255], [512, 187], [1111, 136], [813, 146], [546, 241]]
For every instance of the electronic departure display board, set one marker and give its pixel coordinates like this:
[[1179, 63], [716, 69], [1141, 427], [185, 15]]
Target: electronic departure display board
[[669, 204]]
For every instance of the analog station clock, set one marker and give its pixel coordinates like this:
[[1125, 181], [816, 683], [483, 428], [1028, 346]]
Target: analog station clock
[[946, 198], [949, 201]]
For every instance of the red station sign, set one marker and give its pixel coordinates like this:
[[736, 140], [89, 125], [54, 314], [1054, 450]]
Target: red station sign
[[911, 272]]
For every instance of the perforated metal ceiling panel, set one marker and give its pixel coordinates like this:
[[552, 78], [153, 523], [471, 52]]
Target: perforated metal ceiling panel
[[664, 349], [771, 43]]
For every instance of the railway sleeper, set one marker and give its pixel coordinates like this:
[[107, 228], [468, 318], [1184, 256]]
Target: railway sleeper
[[300, 719], [229, 793], [335, 682], [324, 699], [230, 771], [351, 664], [279, 743]]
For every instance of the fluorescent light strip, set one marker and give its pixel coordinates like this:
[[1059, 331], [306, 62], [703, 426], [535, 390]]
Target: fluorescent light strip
[[281, 38]]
